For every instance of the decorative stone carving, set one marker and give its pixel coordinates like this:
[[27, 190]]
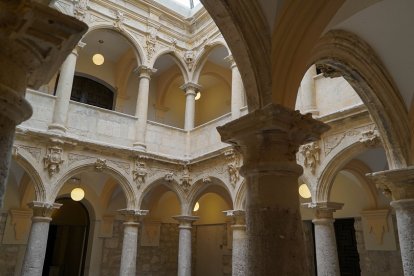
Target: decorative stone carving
[[328, 71], [370, 138], [189, 59], [34, 151], [119, 20], [73, 157], [100, 164], [206, 179], [310, 154], [140, 171], [186, 178], [53, 159], [80, 9], [151, 42], [233, 166], [169, 177], [396, 184]]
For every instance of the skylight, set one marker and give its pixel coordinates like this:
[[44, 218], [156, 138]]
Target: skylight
[[187, 3]]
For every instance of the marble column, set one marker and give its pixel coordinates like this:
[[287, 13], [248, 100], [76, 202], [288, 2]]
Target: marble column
[[184, 244], [36, 245], [25, 64], [190, 90], [398, 184], [308, 94], [64, 91], [325, 241], [237, 89], [130, 242], [239, 242], [141, 111], [269, 139]]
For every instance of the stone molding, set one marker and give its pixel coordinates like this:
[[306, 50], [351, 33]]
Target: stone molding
[[145, 71], [324, 210], [190, 88], [130, 215], [185, 221], [43, 209]]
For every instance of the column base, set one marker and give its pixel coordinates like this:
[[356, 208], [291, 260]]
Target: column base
[[139, 146], [57, 128]]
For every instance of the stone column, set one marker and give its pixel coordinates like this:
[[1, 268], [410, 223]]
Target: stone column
[[398, 184], [36, 245], [24, 64], [325, 242], [269, 139], [141, 111], [130, 242], [184, 245], [237, 89], [239, 242], [64, 91], [307, 87], [190, 90]]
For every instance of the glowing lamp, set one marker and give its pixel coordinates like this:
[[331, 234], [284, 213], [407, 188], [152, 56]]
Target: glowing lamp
[[304, 191], [98, 59], [77, 194]]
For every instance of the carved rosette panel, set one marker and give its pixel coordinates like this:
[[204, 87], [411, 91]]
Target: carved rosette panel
[[53, 160]]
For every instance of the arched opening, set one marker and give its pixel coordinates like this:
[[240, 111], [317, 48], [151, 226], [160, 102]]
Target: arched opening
[[67, 239]]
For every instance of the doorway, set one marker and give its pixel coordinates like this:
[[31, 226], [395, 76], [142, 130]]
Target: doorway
[[67, 240], [347, 247], [210, 250]]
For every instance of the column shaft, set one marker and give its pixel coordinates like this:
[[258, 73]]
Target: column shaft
[[237, 89], [63, 92], [269, 139], [404, 210], [141, 111], [36, 246], [129, 249], [308, 91], [239, 250], [184, 244], [326, 250], [191, 90]]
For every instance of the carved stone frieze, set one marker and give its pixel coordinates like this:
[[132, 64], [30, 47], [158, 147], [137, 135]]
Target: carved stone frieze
[[311, 154], [73, 157], [100, 164], [53, 159], [34, 151]]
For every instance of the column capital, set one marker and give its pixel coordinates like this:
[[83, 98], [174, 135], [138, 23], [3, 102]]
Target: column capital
[[269, 139], [145, 71], [78, 48], [238, 216], [324, 210], [190, 88], [230, 60], [397, 184], [133, 216], [43, 209], [185, 221]]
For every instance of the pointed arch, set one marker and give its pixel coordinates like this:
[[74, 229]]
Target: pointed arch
[[176, 58]]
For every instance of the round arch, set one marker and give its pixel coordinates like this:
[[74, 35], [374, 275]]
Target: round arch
[[26, 161], [176, 58], [203, 57], [170, 185], [84, 166], [240, 198], [138, 50], [200, 187], [357, 62]]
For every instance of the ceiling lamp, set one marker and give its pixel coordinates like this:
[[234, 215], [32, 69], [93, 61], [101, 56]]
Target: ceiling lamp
[[196, 207], [304, 191], [98, 59], [77, 194], [198, 96]]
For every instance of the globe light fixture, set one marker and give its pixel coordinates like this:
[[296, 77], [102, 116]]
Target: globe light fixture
[[198, 96], [304, 191], [98, 59], [196, 207], [77, 194]]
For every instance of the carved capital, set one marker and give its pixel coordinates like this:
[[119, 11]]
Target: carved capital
[[324, 210], [269, 139], [130, 215], [53, 159], [238, 216], [190, 88], [396, 184], [43, 209], [145, 71], [185, 221]]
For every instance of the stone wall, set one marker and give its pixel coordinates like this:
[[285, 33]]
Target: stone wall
[[8, 252], [111, 251], [373, 263]]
